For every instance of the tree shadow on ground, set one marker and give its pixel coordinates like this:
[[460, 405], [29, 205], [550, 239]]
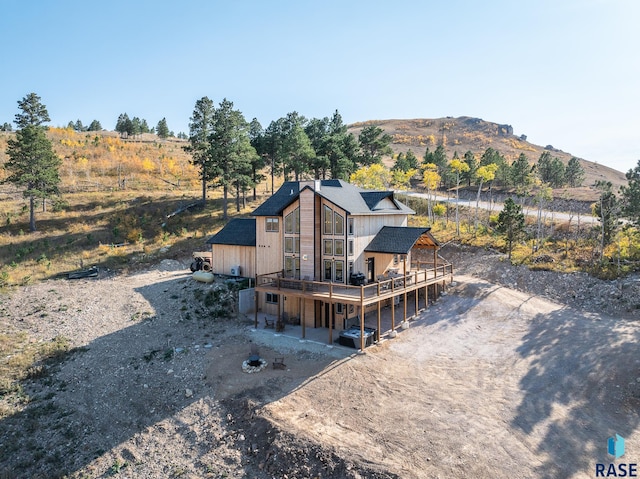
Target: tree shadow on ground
[[582, 385], [148, 382]]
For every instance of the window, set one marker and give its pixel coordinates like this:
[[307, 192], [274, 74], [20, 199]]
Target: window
[[339, 308], [350, 226], [288, 244], [395, 259], [296, 244], [328, 247], [327, 270], [339, 272], [328, 220], [339, 249], [291, 267], [273, 225], [271, 298], [292, 222], [350, 247], [350, 268], [339, 224]]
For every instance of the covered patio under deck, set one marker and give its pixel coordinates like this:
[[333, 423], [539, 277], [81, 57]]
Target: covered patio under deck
[[393, 291]]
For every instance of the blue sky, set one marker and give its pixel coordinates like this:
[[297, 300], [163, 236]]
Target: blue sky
[[563, 72]]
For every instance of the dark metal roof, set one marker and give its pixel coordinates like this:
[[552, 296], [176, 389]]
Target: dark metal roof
[[349, 197], [237, 232], [279, 200], [400, 239], [372, 198]]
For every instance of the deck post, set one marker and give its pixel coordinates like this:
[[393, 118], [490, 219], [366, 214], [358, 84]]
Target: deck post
[[255, 300], [393, 313], [379, 320], [361, 318], [302, 317], [330, 306]]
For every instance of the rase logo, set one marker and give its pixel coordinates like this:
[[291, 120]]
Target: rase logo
[[615, 448]]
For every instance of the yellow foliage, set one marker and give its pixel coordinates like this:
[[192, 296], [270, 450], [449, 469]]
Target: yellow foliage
[[148, 166], [374, 177]]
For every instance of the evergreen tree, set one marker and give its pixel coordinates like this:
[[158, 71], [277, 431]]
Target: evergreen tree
[[32, 163], [231, 151], [256, 137], [573, 173], [124, 126], [607, 209], [200, 128], [374, 144], [511, 223], [95, 126], [6, 127], [631, 196], [470, 160], [162, 130], [521, 172], [79, 126]]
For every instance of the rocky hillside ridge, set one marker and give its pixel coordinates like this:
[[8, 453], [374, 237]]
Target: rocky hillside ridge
[[619, 298], [466, 133]]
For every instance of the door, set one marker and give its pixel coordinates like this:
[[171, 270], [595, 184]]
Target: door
[[371, 270]]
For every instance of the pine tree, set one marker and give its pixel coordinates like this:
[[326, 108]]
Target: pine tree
[[162, 130], [511, 223], [631, 195], [32, 163], [574, 173], [200, 128]]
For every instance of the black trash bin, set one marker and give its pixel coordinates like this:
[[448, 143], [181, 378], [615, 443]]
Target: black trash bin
[[357, 279]]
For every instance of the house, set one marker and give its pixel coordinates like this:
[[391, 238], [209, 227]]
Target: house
[[325, 252]]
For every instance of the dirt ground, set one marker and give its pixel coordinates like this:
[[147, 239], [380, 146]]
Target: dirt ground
[[490, 382]]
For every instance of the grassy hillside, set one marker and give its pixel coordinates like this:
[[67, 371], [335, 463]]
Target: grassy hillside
[[465, 133], [113, 211]]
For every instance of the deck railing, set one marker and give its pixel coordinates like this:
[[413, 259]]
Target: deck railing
[[383, 286]]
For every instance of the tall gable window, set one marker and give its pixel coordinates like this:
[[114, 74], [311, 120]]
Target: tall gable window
[[292, 222], [338, 224], [328, 220], [273, 224]]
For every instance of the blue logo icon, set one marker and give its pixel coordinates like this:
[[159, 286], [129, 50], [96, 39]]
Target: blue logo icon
[[615, 446]]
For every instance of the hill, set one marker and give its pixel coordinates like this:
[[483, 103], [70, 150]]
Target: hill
[[466, 133]]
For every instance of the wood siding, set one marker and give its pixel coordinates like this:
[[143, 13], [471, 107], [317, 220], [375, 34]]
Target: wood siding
[[307, 235], [226, 257], [268, 247]]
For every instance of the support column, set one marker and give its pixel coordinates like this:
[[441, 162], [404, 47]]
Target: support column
[[362, 318], [393, 313], [302, 318], [379, 320], [255, 300]]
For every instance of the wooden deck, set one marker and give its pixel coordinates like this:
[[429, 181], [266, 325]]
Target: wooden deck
[[384, 288]]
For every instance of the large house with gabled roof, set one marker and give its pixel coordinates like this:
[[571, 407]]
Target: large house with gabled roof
[[325, 252]]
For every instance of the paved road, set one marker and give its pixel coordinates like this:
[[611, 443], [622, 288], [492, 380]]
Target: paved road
[[527, 210]]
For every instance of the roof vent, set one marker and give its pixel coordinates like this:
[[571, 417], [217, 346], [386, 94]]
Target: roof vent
[[317, 185], [291, 194]]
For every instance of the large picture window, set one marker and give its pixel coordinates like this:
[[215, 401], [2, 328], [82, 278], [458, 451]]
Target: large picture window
[[339, 224], [339, 248], [327, 270], [339, 278], [292, 222], [328, 220], [328, 247]]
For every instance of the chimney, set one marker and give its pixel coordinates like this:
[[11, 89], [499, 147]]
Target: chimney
[[317, 185]]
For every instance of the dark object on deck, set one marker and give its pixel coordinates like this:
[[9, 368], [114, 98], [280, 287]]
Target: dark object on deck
[[357, 279], [87, 273], [278, 363], [351, 337], [279, 325], [269, 323]]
